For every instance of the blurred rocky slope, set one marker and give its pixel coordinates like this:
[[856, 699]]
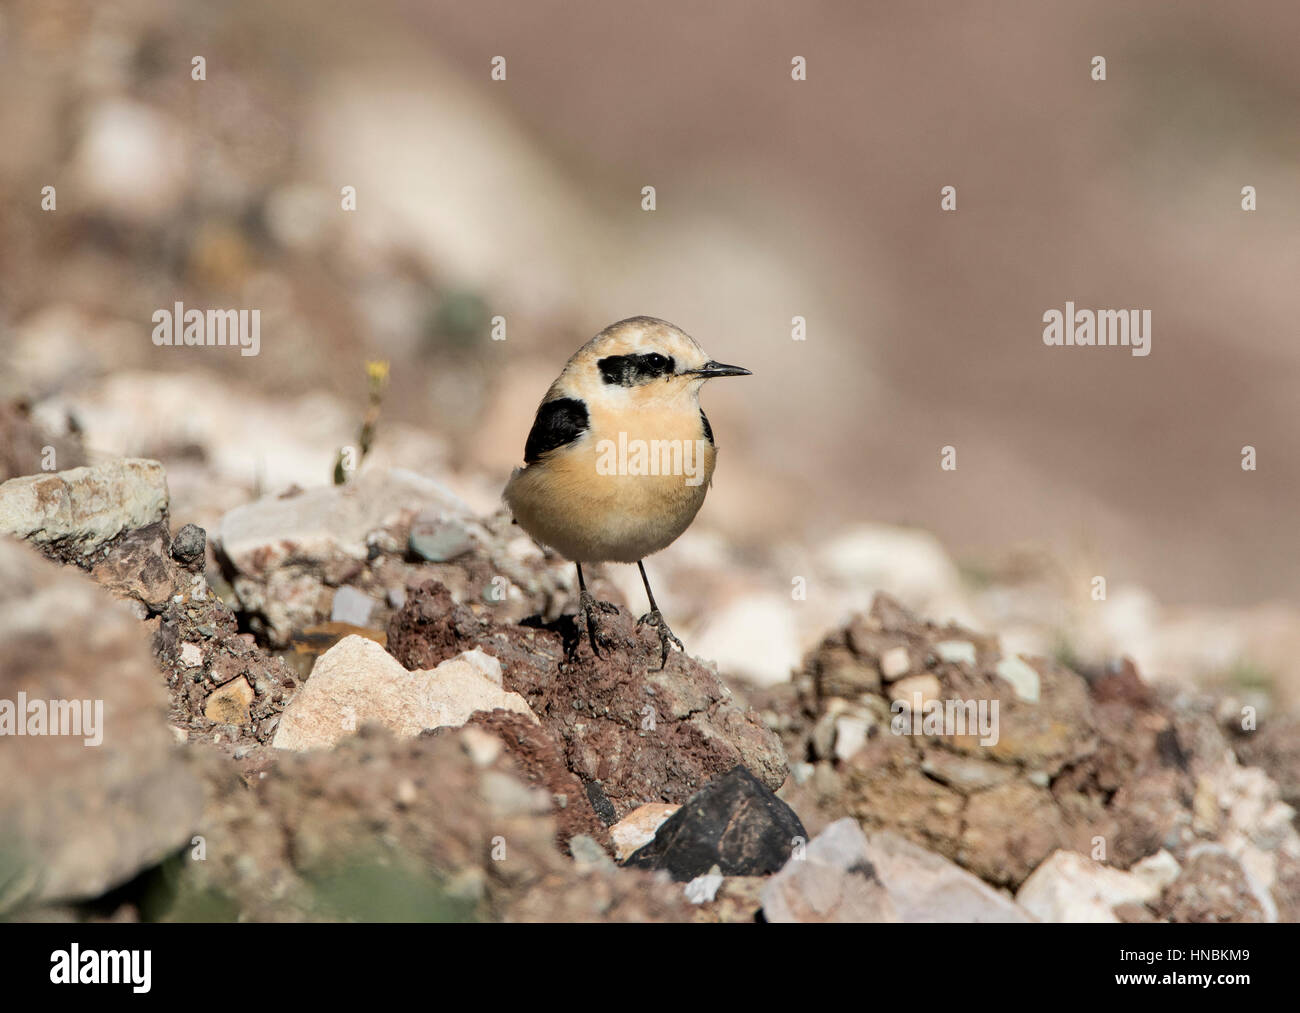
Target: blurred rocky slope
[[299, 705]]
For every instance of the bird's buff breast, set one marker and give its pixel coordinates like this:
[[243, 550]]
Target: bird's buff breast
[[599, 500]]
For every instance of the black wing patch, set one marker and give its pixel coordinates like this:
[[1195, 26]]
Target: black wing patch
[[708, 429], [558, 422], [630, 370]]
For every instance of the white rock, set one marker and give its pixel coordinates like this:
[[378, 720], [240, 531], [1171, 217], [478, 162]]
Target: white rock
[[482, 746], [85, 506], [829, 880], [956, 652], [1070, 887], [926, 887], [356, 681], [1158, 870], [639, 827], [702, 889], [351, 606], [508, 796], [191, 655], [755, 637], [850, 735], [588, 854], [1022, 676], [895, 663]]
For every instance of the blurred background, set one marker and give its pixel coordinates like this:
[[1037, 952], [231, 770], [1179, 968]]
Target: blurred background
[[775, 198]]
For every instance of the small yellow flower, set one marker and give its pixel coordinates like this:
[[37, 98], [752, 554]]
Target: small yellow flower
[[377, 371]]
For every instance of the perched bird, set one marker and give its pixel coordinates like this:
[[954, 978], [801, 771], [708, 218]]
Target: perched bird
[[620, 455]]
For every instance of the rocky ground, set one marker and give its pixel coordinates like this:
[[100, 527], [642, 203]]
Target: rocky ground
[[371, 701]]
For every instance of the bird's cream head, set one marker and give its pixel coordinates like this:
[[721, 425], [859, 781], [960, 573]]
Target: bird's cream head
[[641, 362]]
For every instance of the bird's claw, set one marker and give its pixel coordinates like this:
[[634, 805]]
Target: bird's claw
[[666, 636], [590, 606]]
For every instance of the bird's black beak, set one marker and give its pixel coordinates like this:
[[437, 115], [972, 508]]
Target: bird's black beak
[[712, 369]]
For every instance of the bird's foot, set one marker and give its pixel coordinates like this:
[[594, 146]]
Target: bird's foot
[[590, 606], [666, 636]]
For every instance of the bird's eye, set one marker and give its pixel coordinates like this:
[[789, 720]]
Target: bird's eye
[[653, 364]]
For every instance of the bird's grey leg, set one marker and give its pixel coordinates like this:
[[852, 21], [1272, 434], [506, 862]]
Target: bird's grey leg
[[655, 618], [590, 606]]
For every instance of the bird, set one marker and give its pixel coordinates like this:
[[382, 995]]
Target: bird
[[620, 456]]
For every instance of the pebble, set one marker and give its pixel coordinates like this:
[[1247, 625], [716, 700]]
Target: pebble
[[1022, 676], [895, 663], [351, 606], [703, 889], [956, 652]]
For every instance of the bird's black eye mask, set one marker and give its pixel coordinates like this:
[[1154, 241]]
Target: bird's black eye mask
[[631, 370]]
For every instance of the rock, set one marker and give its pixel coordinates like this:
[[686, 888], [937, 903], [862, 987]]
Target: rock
[[1158, 870], [189, 546], [925, 887], [137, 566], [507, 796], [737, 900], [357, 681], [351, 606], [850, 735], [97, 814], [895, 663], [439, 539], [703, 889], [600, 803], [906, 689], [1069, 887], [287, 555], [191, 655], [1008, 830], [624, 728], [639, 827], [588, 854], [734, 822], [822, 737], [753, 637], [966, 774], [483, 747], [1022, 676], [72, 513], [956, 652], [230, 704], [832, 881]]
